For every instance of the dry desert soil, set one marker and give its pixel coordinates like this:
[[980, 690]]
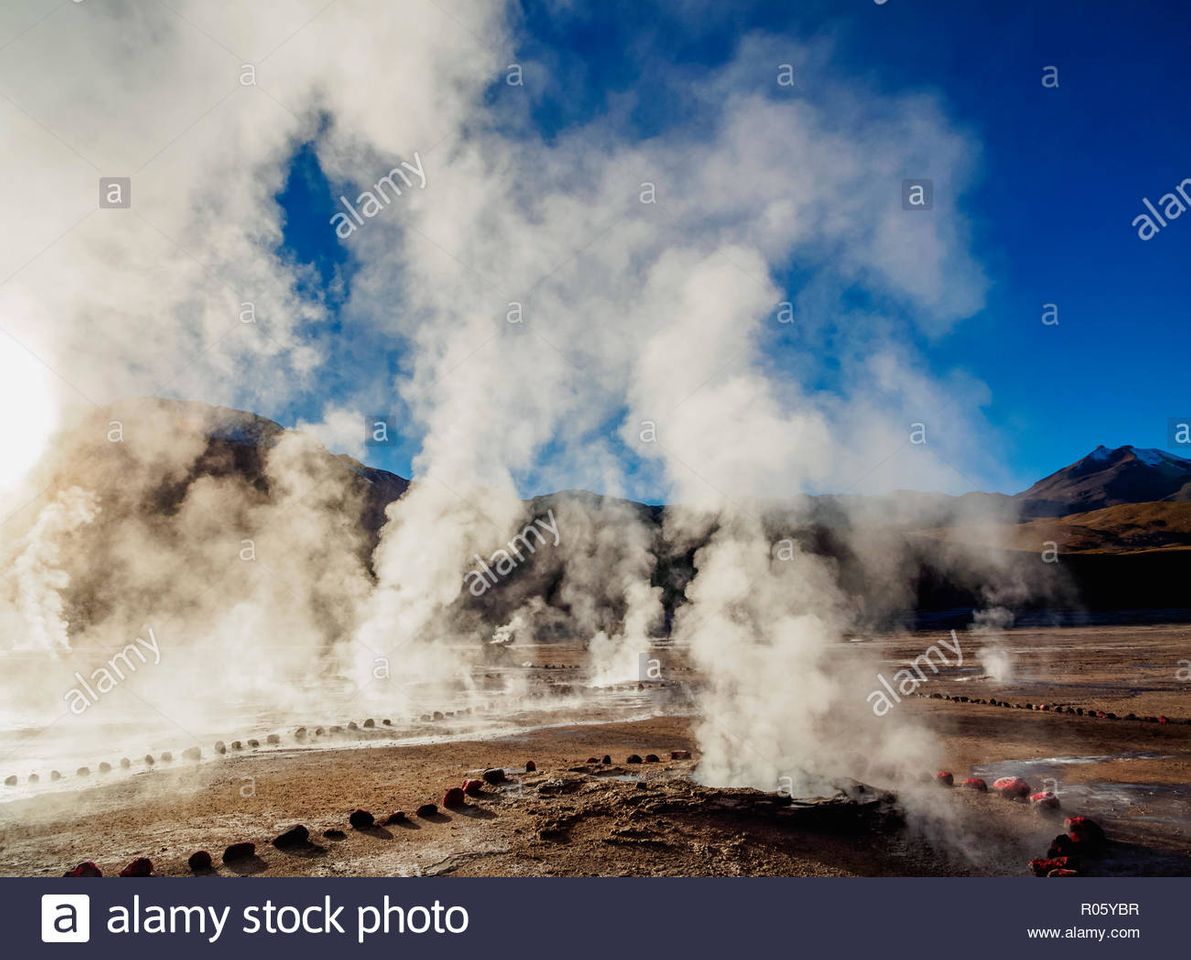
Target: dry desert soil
[[572, 817]]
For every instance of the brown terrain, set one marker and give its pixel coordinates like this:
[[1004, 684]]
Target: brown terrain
[[572, 817]]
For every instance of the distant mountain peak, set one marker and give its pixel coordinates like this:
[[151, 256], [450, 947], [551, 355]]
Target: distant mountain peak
[[1106, 477], [1150, 456]]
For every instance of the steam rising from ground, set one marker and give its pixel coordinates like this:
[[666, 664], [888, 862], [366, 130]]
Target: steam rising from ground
[[642, 274]]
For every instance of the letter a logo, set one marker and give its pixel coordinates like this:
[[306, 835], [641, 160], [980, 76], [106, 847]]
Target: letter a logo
[[65, 918]]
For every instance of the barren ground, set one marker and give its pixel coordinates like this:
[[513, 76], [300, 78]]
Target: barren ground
[[572, 818]]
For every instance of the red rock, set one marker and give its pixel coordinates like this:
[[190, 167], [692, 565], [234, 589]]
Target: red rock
[[293, 839], [473, 788], [1042, 867], [1044, 800], [1061, 846], [1162, 719], [140, 867], [1085, 832], [944, 777], [239, 851], [454, 797], [85, 869], [200, 861], [1012, 788], [976, 783]]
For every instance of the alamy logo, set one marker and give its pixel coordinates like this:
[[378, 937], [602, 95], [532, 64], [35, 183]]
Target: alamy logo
[[65, 918]]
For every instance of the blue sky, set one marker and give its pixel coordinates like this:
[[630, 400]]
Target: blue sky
[[1062, 173]]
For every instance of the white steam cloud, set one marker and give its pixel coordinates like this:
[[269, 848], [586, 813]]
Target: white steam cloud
[[556, 301]]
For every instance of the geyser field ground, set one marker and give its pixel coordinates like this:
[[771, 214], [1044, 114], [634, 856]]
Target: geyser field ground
[[572, 818]]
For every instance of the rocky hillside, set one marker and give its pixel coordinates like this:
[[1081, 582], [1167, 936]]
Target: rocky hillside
[[1105, 478], [898, 557]]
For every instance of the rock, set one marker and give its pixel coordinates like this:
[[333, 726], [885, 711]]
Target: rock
[[1012, 788], [192, 753], [427, 810], [473, 788], [167, 757], [976, 783], [149, 761], [1042, 867], [680, 754], [454, 797], [651, 758], [220, 747], [944, 777], [83, 772], [125, 763], [300, 733], [334, 834], [85, 869], [530, 766], [1085, 832], [34, 778], [397, 816], [237, 745], [105, 767], [239, 851], [55, 775], [200, 861], [494, 775], [253, 744], [10, 781], [387, 722], [336, 729], [362, 820], [633, 758], [353, 725], [1162, 719], [369, 724], [293, 839], [273, 739], [318, 731], [1061, 846], [607, 759], [1044, 800], [438, 715], [140, 867]]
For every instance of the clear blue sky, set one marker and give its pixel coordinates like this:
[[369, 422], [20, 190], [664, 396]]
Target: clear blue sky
[[1062, 175]]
